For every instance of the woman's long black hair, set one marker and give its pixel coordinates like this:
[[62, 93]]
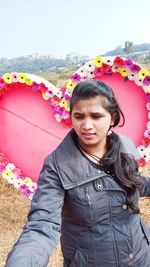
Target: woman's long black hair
[[122, 164]]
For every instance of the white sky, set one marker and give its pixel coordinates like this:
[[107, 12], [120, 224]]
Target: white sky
[[61, 26]]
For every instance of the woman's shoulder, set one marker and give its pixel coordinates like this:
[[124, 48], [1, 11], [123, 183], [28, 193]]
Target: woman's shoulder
[[128, 146]]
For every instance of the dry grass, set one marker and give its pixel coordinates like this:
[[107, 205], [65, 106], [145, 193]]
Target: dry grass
[[14, 208]]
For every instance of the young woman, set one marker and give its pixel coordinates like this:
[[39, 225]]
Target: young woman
[[88, 193]]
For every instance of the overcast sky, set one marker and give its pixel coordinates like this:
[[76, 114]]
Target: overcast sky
[[59, 27]]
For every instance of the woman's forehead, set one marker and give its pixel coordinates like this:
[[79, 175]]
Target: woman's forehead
[[93, 104]]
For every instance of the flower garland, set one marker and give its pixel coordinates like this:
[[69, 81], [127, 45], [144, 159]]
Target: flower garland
[[8, 170], [59, 99], [96, 68]]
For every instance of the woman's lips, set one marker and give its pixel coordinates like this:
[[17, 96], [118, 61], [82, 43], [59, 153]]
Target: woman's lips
[[88, 135]]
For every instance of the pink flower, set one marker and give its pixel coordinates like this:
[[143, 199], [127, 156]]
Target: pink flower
[[2, 168], [135, 68], [106, 68], [98, 72], [24, 189], [128, 64], [146, 142], [2, 83], [147, 133], [146, 80], [67, 98], [141, 162], [66, 115], [76, 78]]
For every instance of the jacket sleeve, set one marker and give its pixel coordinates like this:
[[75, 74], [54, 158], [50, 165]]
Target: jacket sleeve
[[42, 232], [145, 190]]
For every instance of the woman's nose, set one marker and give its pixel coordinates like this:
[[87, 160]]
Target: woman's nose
[[87, 124]]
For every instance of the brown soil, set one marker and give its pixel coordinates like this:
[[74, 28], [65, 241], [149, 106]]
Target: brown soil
[[14, 208]]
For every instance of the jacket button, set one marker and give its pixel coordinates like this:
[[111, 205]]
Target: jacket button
[[124, 206], [99, 187], [131, 255]]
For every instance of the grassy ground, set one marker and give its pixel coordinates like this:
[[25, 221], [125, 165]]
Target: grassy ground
[[14, 208]]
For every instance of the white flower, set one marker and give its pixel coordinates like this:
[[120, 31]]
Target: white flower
[[132, 76], [58, 117], [90, 74], [18, 183], [115, 69], [89, 66], [82, 72], [12, 178], [108, 61], [32, 187], [139, 81], [141, 149], [10, 166], [148, 125]]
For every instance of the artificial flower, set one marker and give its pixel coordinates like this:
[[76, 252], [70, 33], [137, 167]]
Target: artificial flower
[[140, 169], [18, 183], [98, 72], [58, 117], [141, 149], [142, 162], [2, 83], [118, 61], [132, 76], [28, 81], [10, 166], [24, 189], [32, 187], [108, 61], [22, 77], [148, 106], [76, 78], [124, 72], [142, 73], [55, 101], [115, 68], [128, 64], [98, 61], [139, 81], [90, 74], [11, 178], [148, 125], [2, 168], [6, 174], [147, 133], [148, 89], [146, 80], [146, 141], [15, 76], [135, 68], [27, 181], [82, 72], [46, 95], [7, 77], [70, 85]]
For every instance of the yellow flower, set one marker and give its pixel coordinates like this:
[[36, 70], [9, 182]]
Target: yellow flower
[[27, 181], [143, 73], [70, 85], [140, 169], [148, 89], [124, 72], [98, 61], [45, 96], [62, 103], [6, 174], [22, 78], [66, 106], [8, 78], [29, 81]]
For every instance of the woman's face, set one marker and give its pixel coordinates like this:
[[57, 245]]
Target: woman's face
[[91, 121]]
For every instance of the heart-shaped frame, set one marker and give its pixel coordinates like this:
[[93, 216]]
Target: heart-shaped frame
[[60, 98]]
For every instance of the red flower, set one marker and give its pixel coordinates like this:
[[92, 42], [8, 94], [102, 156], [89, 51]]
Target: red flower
[[106, 68], [98, 72], [141, 162], [118, 61], [146, 141]]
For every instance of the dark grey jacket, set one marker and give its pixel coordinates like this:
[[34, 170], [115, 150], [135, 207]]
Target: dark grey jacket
[[88, 209]]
